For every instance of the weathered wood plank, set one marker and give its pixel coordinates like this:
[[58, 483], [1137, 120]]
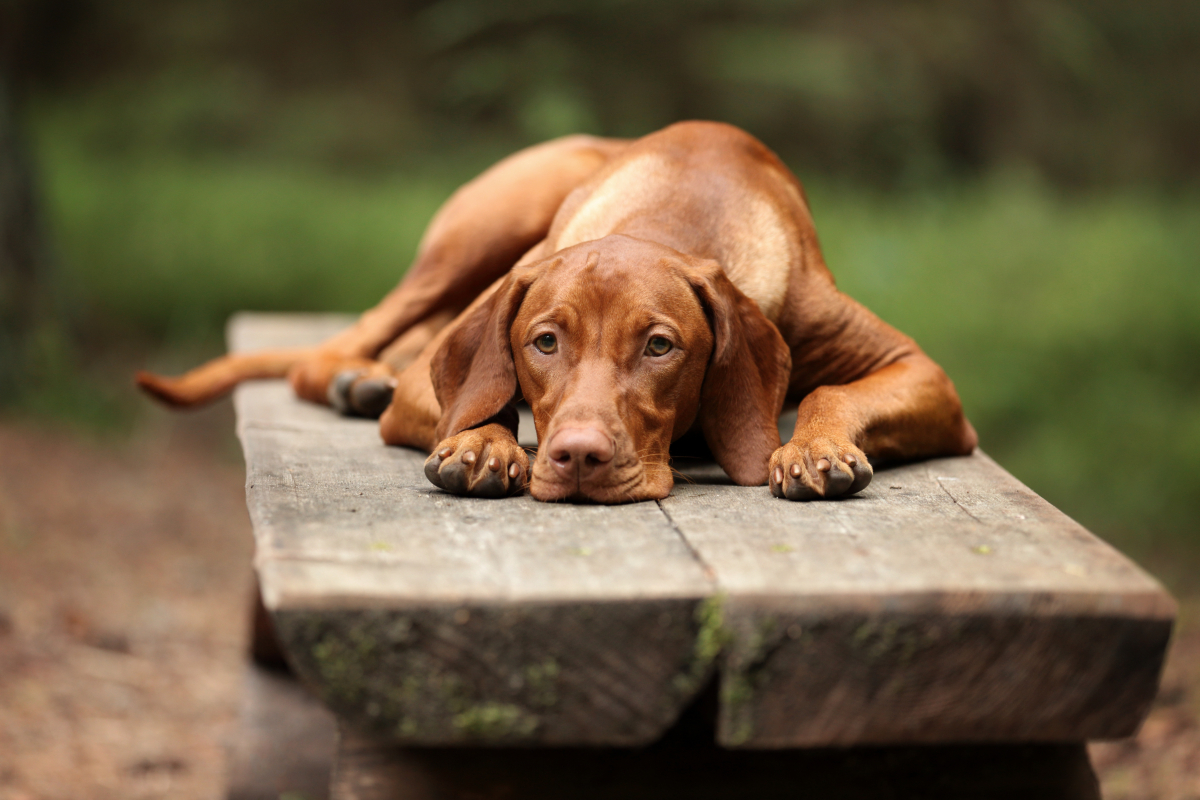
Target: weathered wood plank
[[946, 602], [437, 619], [348, 519]]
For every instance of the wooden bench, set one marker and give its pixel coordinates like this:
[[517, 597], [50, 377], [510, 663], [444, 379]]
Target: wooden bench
[[715, 643]]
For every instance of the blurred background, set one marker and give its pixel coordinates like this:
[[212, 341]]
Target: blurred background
[[1014, 183]]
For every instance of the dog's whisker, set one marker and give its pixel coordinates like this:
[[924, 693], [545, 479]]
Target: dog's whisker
[[680, 476]]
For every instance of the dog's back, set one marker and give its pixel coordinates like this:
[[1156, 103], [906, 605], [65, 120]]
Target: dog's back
[[703, 188]]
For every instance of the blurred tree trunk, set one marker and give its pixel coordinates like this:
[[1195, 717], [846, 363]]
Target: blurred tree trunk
[[24, 264]]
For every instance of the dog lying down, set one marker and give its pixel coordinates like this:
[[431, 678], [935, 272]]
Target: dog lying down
[[629, 291]]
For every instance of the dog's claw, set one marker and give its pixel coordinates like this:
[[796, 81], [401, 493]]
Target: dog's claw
[[795, 490], [491, 485], [433, 467], [455, 475], [370, 397], [862, 473], [338, 392], [352, 393], [818, 468], [837, 481]]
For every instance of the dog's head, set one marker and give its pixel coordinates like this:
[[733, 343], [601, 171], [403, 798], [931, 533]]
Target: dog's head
[[619, 346]]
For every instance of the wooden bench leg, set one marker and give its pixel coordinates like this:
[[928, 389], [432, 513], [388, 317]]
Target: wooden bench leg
[[285, 739], [265, 649], [369, 770], [284, 743]]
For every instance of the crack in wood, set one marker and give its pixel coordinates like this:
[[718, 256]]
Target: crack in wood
[[709, 572], [870, 619], [941, 484]]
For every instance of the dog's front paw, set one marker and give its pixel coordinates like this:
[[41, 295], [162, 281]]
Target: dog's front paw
[[818, 467], [483, 462]]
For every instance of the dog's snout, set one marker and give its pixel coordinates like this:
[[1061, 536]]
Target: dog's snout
[[576, 453]]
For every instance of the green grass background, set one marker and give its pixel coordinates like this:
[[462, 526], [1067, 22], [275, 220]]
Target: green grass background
[[1070, 324]]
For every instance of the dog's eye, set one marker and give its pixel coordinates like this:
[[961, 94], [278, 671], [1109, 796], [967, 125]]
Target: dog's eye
[[658, 346], [546, 343]]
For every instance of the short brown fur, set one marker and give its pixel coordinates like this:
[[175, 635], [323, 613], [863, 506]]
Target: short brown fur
[[629, 291]]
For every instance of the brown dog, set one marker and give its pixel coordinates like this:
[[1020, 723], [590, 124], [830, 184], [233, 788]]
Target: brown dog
[[629, 292]]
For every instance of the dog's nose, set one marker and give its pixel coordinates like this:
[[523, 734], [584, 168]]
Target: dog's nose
[[577, 453]]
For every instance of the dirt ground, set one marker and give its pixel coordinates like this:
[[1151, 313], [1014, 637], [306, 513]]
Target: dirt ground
[[124, 588], [124, 593]]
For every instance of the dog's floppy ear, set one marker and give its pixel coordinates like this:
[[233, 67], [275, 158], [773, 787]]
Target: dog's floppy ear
[[747, 378], [472, 371]]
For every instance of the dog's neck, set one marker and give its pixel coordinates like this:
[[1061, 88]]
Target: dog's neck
[[650, 197]]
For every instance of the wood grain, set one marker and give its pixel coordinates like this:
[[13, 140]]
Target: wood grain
[[436, 619], [947, 602]]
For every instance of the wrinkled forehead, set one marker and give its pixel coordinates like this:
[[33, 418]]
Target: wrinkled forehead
[[613, 286]]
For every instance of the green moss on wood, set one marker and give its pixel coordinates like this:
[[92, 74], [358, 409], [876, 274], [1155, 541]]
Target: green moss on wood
[[455, 674], [495, 721], [887, 639], [711, 638], [542, 682], [743, 675], [713, 635], [344, 659]]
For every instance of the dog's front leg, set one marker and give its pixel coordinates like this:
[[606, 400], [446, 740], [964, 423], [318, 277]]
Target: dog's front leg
[[479, 462], [906, 410]]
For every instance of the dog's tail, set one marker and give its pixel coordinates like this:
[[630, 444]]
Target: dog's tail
[[218, 377]]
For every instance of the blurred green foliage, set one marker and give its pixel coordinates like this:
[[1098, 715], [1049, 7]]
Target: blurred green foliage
[[1015, 184], [1071, 326], [892, 93]]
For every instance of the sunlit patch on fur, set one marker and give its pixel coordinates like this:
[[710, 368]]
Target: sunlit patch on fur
[[757, 264]]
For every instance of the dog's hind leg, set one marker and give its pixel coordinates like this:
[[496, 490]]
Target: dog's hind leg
[[477, 235], [366, 389]]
